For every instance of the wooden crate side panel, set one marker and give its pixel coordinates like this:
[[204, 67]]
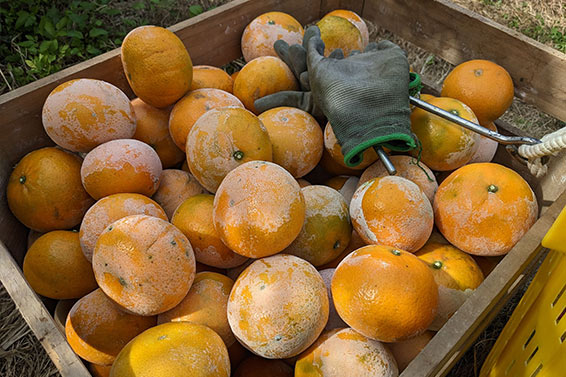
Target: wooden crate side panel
[[457, 34], [474, 315], [39, 319], [330, 5], [211, 38]]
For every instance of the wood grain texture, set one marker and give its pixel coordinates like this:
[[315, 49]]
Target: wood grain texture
[[39, 319], [211, 38], [330, 5], [457, 34]]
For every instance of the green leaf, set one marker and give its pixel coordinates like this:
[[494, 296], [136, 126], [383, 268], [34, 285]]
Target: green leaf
[[74, 34], [139, 5], [97, 32], [111, 11], [92, 50], [26, 44], [50, 29], [195, 10], [62, 23], [22, 18], [44, 46]]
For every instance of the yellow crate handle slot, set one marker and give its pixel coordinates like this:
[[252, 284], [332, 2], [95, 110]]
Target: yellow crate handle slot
[[555, 239]]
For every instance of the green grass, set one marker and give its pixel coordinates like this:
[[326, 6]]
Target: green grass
[[40, 37]]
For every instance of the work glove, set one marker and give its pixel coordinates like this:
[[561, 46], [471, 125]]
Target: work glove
[[364, 96]]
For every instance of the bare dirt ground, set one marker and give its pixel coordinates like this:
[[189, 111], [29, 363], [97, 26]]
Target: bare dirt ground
[[22, 355]]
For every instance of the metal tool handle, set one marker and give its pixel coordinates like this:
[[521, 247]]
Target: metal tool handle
[[502, 139]]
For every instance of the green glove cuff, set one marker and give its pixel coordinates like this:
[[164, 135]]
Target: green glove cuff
[[398, 142]]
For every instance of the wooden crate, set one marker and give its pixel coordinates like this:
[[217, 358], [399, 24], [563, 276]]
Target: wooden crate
[[440, 27]]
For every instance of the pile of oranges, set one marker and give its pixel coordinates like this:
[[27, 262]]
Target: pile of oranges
[[183, 224]]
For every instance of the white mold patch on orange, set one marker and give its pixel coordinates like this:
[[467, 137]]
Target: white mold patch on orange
[[258, 209], [392, 211], [192, 106], [175, 187], [205, 304], [407, 167], [346, 350], [80, 114], [124, 165], [296, 137], [327, 230], [97, 329], [278, 306], [112, 208], [144, 264], [223, 139], [260, 34]]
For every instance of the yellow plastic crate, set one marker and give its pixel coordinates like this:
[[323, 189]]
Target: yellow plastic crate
[[533, 343]]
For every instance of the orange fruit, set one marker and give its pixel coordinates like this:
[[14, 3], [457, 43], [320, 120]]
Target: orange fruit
[[144, 264], [296, 138], [192, 106], [334, 148], [334, 320], [454, 272], [392, 211], [258, 209], [223, 139], [358, 22], [255, 366], [291, 297], [99, 370], [157, 65], [303, 182], [340, 350], [263, 76], [484, 209], [109, 209], [175, 187], [483, 85], [326, 231], [97, 330], [260, 34], [205, 304], [153, 129], [452, 268], [45, 192], [336, 182], [405, 351], [334, 168], [486, 148], [80, 114], [385, 293], [426, 97], [174, 349], [355, 243], [407, 167], [55, 266], [445, 145], [207, 76], [194, 218], [339, 32], [124, 165]]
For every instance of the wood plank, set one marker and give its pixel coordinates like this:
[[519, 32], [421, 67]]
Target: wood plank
[[211, 38], [457, 34], [474, 315], [38, 318], [330, 5]]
